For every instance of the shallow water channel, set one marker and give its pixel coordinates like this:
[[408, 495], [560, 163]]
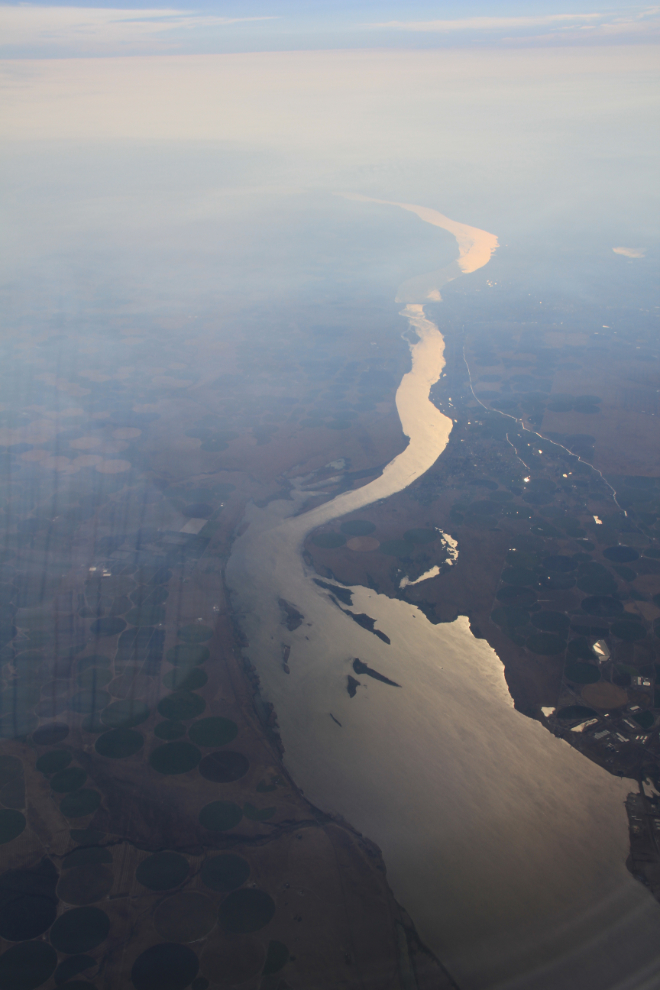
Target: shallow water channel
[[505, 845]]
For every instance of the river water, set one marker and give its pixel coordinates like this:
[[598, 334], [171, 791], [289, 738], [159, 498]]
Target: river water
[[504, 844]]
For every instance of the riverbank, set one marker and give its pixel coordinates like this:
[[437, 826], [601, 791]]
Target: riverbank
[[487, 826]]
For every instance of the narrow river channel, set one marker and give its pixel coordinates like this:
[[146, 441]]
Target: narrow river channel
[[504, 844]]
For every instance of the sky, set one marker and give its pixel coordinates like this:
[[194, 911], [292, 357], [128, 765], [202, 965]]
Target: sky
[[139, 130], [83, 29]]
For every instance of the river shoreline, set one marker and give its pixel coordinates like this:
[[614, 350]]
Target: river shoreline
[[457, 789]]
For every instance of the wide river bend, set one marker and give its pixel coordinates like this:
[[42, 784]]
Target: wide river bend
[[504, 844]]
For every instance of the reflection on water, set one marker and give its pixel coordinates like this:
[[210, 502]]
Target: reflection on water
[[130, 447], [433, 572], [184, 334], [506, 846]]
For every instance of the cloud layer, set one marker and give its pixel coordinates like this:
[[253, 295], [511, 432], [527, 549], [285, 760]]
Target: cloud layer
[[102, 30], [583, 27], [32, 30]]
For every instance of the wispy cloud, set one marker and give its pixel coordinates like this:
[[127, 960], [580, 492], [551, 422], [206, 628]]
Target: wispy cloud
[[550, 26], [630, 252], [34, 30], [486, 23], [97, 30]]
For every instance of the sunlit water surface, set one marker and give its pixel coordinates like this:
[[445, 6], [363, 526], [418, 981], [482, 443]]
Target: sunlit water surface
[[505, 845]]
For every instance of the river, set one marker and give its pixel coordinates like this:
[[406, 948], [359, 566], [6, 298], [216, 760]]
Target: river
[[505, 845]]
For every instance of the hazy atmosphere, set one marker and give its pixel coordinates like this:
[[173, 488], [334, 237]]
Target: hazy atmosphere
[[329, 495]]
